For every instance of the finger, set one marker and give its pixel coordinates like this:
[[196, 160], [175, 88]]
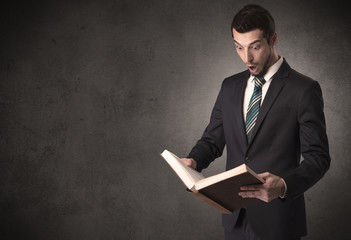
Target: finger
[[255, 194], [250, 194], [187, 161]]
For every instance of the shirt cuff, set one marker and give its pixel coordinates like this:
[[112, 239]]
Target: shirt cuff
[[282, 196]]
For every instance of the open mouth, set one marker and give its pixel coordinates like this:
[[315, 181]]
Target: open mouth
[[252, 68]]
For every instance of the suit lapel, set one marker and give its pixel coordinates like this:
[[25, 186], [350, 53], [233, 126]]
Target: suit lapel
[[235, 108], [275, 87], [239, 110]]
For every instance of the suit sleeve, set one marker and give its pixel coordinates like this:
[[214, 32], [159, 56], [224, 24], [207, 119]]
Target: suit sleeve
[[313, 143], [212, 142]]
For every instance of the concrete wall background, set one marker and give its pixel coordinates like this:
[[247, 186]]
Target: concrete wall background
[[92, 91]]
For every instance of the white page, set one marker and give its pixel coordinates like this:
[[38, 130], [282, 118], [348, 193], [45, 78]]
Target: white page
[[225, 175], [220, 177], [188, 175]]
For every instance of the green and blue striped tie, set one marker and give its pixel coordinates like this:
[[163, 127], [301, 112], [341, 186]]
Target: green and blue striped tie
[[254, 107]]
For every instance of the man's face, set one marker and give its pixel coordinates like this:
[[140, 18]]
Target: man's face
[[254, 50]]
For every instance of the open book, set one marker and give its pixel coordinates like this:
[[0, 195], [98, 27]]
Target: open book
[[219, 191]]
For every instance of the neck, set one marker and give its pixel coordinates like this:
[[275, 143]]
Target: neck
[[274, 57]]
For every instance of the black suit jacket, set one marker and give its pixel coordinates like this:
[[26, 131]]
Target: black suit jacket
[[291, 123]]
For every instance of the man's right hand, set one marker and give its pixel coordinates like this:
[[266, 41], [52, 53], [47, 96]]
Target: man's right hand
[[189, 162]]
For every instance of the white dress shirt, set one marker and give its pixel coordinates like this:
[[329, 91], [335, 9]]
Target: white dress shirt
[[251, 84], [249, 91]]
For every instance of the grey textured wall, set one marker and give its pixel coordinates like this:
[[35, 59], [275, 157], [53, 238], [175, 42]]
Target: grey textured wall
[[92, 91]]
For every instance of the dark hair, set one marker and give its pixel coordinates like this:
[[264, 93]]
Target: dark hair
[[252, 17]]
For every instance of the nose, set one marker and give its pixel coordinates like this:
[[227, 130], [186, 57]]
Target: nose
[[248, 56]]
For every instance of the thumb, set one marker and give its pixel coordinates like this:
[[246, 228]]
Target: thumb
[[264, 175]]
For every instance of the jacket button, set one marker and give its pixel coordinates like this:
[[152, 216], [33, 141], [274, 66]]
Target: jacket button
[[247, 159]]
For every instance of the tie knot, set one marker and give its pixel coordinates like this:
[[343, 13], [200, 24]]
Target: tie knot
[[259, 81]]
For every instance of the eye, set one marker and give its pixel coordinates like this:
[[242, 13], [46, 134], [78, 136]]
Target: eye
[[239, 47], [256, 47]]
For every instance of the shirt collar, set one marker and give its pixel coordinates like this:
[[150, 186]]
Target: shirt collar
[[271, 70]]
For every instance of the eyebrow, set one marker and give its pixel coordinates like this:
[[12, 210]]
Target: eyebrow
[[256, 41]]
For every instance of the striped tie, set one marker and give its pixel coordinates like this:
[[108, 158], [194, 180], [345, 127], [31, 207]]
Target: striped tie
[[254, 107]]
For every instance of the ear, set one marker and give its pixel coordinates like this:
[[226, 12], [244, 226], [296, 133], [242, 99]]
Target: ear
[[274, 39]]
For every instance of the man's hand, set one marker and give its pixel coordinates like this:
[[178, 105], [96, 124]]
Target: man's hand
[[189, 162], [272, 188]]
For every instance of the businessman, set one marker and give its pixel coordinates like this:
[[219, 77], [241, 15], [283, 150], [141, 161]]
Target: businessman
[[268, 117]]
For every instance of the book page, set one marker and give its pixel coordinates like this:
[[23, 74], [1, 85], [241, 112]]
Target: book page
[[225, 175], [188, 175]]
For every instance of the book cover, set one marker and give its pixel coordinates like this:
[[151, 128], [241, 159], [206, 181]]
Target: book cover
[[221, 190]]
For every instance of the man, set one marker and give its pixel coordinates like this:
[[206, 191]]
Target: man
[[267, 117]]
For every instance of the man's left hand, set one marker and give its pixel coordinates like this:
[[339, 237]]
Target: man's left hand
[[272, 188]]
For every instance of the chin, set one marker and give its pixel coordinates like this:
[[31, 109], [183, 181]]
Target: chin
[[262, 73]]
